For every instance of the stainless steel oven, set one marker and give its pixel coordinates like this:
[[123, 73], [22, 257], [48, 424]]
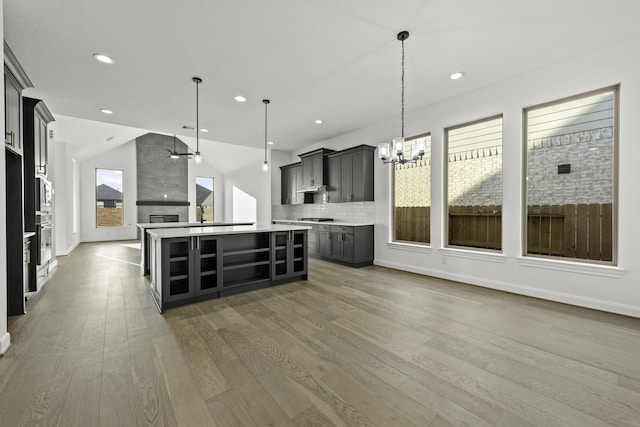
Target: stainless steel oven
[[44, 194], [44, 237]]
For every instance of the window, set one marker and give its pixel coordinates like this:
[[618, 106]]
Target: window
[[474, 185], [109, 198], [412, 196], [570, 169], [204, 199]]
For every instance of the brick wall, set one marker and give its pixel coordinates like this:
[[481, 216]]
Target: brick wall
[[590, 155]]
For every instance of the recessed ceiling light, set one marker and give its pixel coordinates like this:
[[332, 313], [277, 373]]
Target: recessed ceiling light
[[204, 130], [103, 58], [457, 75], [318, 122], [270, 142], [104, 110], [240, 98]]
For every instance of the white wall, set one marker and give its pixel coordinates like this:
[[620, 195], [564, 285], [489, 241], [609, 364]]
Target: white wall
[[122, 157], [4, 335], [206, 170], [256, 183], [62, 178], [615, 289]]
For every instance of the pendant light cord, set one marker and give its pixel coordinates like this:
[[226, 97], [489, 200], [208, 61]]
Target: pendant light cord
[[402, 96], [197, 117], [266, 102]]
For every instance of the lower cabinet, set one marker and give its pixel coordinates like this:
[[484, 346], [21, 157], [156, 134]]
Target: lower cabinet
[[289, 254], [191, 267], [347, 244]]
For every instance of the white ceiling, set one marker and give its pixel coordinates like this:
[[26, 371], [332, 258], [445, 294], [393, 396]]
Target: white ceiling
[[333, 59]]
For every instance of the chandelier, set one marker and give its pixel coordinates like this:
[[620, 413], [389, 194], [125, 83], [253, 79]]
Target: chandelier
[[394, 152]]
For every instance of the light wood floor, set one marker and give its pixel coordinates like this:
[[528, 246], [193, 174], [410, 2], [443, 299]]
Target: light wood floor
[[370, 347]]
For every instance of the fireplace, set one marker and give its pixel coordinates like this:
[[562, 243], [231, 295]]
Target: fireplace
[[164, 218]]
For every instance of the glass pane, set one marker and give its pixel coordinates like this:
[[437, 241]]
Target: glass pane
[[474, 185], [204, 199], [570, 177], [109, 198], [412, 195]]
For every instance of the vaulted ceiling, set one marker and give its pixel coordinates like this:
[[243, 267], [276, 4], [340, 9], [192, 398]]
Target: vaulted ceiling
[[334, 60]]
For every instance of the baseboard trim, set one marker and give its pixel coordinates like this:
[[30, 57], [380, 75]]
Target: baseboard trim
[[69, 250], [5, 342], [562, 297], [53, 265]]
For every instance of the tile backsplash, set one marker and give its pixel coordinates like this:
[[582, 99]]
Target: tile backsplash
[[351, 212]]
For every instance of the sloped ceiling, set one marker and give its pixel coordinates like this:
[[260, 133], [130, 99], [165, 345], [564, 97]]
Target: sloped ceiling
[[332, 59]]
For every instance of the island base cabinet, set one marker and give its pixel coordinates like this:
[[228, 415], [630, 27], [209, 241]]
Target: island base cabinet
[[289, 254], [190, 268]]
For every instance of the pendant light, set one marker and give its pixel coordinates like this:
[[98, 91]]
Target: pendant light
[[265, 165], [394, 152], [197, 158]]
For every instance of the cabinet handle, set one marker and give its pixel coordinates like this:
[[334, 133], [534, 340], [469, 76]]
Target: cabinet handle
[[12, 138], [197, 243]]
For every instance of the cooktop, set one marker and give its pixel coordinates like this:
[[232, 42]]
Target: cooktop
[[315, 219]]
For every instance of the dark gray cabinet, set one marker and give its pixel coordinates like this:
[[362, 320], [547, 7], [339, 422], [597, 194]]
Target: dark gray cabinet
[[347, 244], [289, 254], [12, 112], [191, 267], [35, 154], [290, 182], [314, 168], [351, 175]]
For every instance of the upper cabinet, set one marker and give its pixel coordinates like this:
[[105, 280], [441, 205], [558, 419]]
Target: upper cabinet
[[290, 180], [314, 168], [36, 118], [351, 175], [15, 81]]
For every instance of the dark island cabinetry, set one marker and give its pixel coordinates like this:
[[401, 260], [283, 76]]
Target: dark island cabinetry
[[190, 265], [289, 254]]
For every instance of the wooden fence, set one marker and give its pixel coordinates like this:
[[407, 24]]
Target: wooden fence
[[413, 224], [109, 217], [583, 231]]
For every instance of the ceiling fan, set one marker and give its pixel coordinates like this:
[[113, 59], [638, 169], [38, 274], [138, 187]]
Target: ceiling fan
[[174, 154]]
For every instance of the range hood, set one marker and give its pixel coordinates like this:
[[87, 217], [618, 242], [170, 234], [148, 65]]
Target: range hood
[[310, 189]]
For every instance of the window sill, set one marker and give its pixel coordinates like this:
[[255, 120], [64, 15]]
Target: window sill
[[471, 254], [572, 267], [412, 247]]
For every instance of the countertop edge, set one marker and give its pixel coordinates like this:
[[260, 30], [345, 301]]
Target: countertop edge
[[165, 233], [338, 223]]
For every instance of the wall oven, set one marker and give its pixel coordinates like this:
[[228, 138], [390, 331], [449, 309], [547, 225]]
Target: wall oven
[[44, 238], [44, 194]]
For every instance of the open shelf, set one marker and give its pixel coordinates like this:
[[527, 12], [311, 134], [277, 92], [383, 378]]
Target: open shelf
[[246, 251], [207, 273], [179, 277], [178, 258], [238, 283], [235, 266], [207, 255]]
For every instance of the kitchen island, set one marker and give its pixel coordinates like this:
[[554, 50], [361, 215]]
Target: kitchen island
[[144, 236], [193, 264]]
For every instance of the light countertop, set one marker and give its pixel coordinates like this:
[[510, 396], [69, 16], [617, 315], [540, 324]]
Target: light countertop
[[340, 223], [164, 233], [148, 225]]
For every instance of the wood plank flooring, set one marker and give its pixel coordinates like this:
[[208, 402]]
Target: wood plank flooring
[[348, 347]]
